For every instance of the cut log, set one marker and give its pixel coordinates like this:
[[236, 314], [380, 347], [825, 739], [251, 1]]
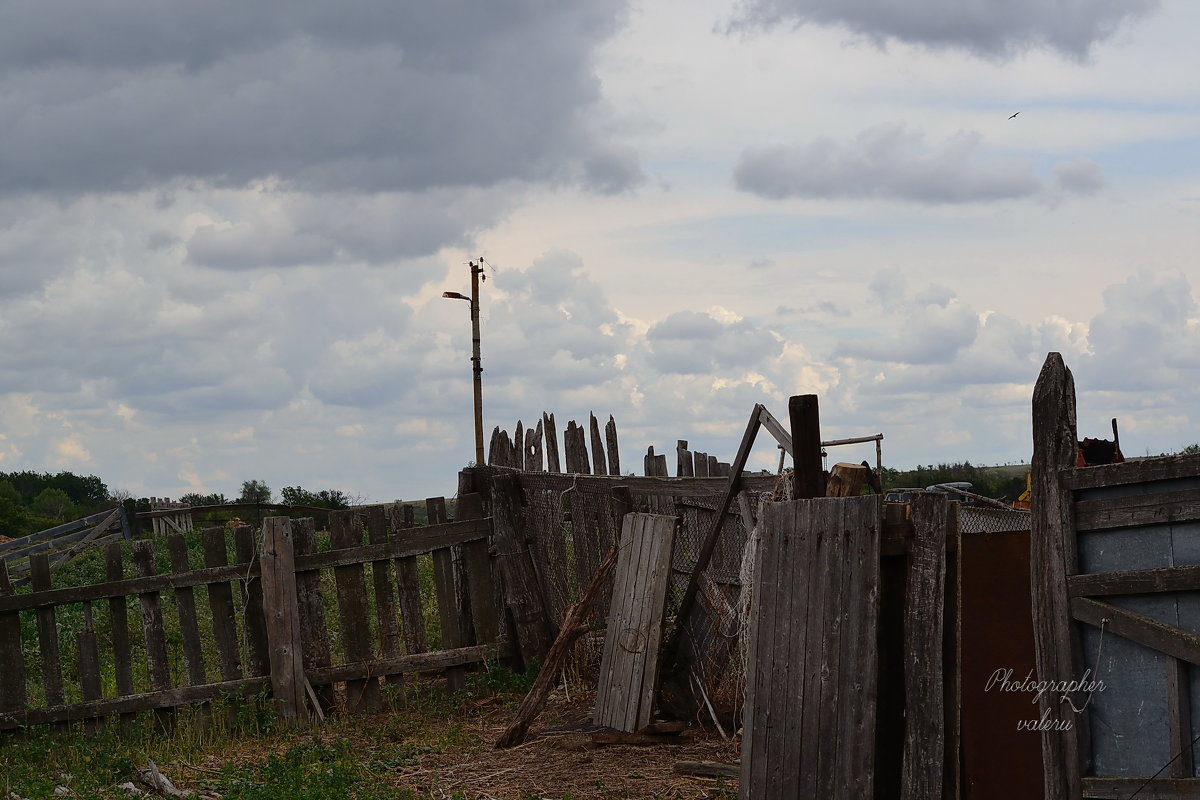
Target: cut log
[[846, 480], [707, 769]]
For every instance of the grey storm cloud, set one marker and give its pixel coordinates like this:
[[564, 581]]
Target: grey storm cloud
[[691, 342], [1081, 176], [361, 95], [886, 161], [988, 28]]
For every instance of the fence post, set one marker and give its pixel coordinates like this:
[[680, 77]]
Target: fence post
[[521, 593], [282, 610]]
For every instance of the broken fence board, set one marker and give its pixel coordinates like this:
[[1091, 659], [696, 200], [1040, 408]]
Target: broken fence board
[[629, 666]]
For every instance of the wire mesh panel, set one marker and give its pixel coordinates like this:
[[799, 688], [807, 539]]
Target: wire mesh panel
[[981, 519]]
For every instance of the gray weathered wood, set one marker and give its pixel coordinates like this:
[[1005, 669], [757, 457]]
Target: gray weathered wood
[[220, 604], [700, 464], [610, 439], [47, 625], [804, 413], [1052, 560], [87, 654], [185, 604], [132, 703], [12, 660], [478, 565], [551, 434], [282, 613], [153, 628], [314, 633], [246, 546], [385, 599], [519, 446], [812, 671], [449, 601], [408, 588], [924, 702], [1158, 789], [415, 662], [1161, 508], [1151, 469], [1142, 581], [599, 464], [344, 533], [664, 486], [118, 615], [1139, 628], [684, 467], [629, 666], [533, 448], [521, 595]]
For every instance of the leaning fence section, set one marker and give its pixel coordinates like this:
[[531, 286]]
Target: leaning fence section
[[184, 619]]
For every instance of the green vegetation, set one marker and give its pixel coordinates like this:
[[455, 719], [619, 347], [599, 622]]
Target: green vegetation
[[1002, 483]]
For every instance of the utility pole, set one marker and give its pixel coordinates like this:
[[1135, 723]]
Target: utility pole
[[476, 361]]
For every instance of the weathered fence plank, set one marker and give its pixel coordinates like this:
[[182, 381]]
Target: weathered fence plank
[[47, 625], [12, 660], [87, 654], [185, 603], [118, 615], [153, 629], [810, 732], [924, 701], [220, 604], [449, 600], [385, 599], [314, 634], [610, 438], [629, 665], [344, 533], [599, 465], [1052, 559], [478, 565], [521, 593], [408, 587], [246, 545], [551, 433], [283, 619]]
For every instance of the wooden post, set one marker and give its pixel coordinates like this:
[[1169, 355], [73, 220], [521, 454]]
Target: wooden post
[[924, 700], [599, 465], [154, 630], [1052, 557], [314, 633], [119, 620], [12, 660], [282, 611], [450, 589], [533, 448], [519, 446], [683, 460], [610, 438], [552, 462], [385, 598], [806, 444], [520, 582], [361, 694]]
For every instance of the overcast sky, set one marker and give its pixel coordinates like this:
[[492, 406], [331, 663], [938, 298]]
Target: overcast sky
[[225, 228]]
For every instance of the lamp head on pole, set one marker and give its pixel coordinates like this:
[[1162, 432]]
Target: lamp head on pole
[[456, 296]]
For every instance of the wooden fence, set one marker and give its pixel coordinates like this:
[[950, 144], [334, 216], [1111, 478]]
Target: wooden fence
[[1116, 582], [63, 542], [338, 626]]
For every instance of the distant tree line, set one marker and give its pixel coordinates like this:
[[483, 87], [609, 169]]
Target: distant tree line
[[1000, 483], [34, 501]]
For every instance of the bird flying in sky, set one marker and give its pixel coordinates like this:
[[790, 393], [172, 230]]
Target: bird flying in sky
[[1014, 115]]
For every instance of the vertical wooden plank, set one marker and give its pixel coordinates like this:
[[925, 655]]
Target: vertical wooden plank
[[220, 604], [519, 446], [314, 634], [863, 520], [494, 447], [480, 588], [952, 660], [449, 596], [648, 462], [621, 636], [806, 446], [257, 657], [1052, 559], [385, 600], [683, 460], [581, 449], [1179, 718], [361, 695], [88, 661], [47, 625], [185, 604], [700, 464], [662, 532], [153, 629], [714, 468], [519, 581], [814, 781], [12, 659], [118, 615], [834, 717], [599, 465], [533, 448], [282, 612], [408, 588], [610, 438], [551, 433], [924, 717]]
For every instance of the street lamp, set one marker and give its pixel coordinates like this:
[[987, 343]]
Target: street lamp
[[477, 367]]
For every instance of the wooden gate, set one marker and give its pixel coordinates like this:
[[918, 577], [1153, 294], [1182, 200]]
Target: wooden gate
[[1115, 563]]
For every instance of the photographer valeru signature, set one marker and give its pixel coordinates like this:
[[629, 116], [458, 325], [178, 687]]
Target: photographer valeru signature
[[1002, 680]]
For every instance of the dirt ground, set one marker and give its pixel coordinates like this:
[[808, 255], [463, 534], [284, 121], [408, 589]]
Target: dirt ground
[[557, 763]]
